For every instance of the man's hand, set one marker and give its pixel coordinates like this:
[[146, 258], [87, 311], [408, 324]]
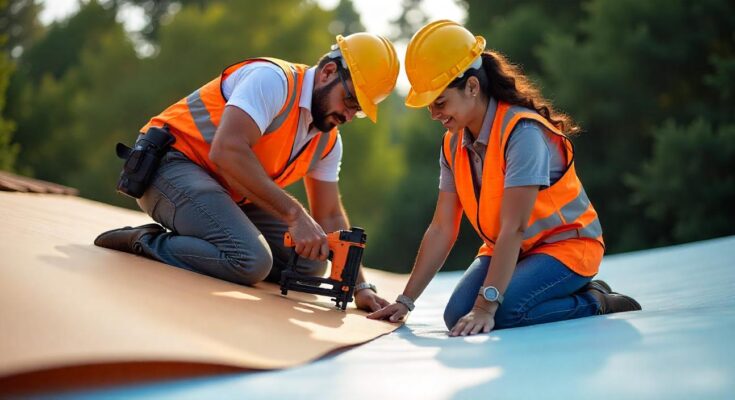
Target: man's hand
[[309, 238], [394, 312], [476, 321], [367, 300]]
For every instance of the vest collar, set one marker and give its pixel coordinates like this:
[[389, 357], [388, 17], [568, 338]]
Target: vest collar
[[307, 89]]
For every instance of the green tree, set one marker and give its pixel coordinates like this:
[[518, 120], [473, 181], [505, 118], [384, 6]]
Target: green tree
[[19, 24], [520, 30], [8, 150], [630, 67], [61, 47], [346, 20], [106, 110], [687, 188], [43, 91], [157, 12], [371, 168], [411, 19], [620, 68]]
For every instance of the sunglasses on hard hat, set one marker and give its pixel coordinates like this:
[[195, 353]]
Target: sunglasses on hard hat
[[350, 99]]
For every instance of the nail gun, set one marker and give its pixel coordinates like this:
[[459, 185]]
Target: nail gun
[[345, 252]]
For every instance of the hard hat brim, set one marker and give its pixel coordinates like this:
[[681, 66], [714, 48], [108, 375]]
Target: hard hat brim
[[370, 109], [423, 99]]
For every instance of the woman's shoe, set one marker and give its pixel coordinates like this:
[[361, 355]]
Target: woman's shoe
[[611, 302]]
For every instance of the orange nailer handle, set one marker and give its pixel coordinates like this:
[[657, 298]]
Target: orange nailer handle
[[288, 240], [338, 254], [338, 251]]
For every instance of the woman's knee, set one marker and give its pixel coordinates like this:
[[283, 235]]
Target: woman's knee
[[508, 316], [464, 294], [452, 315]]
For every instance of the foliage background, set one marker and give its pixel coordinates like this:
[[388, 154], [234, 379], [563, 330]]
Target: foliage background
[[651, 82]]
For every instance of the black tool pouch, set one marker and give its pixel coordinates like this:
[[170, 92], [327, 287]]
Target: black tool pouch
[[142, 161]]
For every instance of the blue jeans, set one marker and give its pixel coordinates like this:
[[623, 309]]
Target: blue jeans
[[541, 290], [209, 232]]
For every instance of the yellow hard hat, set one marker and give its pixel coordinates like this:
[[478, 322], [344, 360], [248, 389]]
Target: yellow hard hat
[[373, 66], [436, 55]]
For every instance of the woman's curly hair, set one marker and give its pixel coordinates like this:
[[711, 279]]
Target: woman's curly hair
[[504, 81]]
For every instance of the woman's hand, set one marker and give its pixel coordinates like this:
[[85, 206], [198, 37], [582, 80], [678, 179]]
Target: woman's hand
[[476, 321], [367, 300], [394, 312]]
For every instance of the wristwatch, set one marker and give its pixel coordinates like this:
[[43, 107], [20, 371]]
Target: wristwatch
[[365, 285], [491, 294], [406, 301]]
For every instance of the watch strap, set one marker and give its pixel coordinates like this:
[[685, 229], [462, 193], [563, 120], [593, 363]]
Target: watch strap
[[406, 301], [364, 285]]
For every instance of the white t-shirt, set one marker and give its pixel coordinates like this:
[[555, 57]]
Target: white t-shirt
[[259, 89]]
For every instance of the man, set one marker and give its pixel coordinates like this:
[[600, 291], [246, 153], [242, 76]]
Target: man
[[240, 139]]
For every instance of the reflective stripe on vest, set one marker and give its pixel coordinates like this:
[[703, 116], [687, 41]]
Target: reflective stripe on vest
[[321, 145], [561, 211], [569, 212], [278, 121], [201, 117]]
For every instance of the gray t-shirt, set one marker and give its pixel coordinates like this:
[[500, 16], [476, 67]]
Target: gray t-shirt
[[533, 158]]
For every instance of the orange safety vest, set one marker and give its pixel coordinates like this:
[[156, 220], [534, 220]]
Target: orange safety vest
[[194, 119], [563, 223]]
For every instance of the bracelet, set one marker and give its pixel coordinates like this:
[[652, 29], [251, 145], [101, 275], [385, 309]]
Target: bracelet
[[406, 301], [365, 285]]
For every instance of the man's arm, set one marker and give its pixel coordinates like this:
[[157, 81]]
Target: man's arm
[[232, 153], [327, 209]]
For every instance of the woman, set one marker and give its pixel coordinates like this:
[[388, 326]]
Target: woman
[[507, 162]]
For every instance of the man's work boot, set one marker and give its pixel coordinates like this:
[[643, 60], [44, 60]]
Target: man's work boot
[[610, 302], [127, 239]]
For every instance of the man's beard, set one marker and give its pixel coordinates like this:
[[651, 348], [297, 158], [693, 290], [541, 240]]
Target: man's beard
[[319, 107]]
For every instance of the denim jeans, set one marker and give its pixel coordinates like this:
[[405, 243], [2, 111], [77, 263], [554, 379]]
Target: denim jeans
[[209, 232], [541, 290]]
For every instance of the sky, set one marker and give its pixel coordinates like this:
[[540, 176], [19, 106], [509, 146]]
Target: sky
[[375, 15]]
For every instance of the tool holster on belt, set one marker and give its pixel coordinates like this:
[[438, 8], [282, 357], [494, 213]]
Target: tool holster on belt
[[142, 161]]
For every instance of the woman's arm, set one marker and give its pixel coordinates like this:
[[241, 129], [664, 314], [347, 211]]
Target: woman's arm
[[435, 246], [514, 214]]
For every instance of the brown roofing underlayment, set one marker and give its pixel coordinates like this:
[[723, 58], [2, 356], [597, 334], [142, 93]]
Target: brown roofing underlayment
[[68, 308]]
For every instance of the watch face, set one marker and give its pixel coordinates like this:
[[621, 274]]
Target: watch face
[[490, 294]]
